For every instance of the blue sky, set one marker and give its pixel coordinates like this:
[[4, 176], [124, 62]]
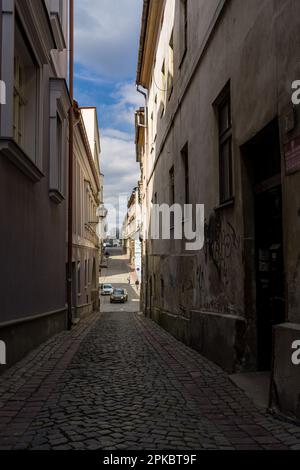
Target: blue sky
[[106, 50]]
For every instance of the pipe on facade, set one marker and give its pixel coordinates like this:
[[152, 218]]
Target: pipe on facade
[[70, 179], [141, 92]]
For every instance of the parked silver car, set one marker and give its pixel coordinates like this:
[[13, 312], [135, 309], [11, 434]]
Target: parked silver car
[[106, 289]]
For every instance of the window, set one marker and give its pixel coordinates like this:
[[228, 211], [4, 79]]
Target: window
[[25, 112], [85, 273], [155, 118], [19, 102], [225, 146], [172, 186], [59, 105], [183, 29], [172, 194], [185, 161], [171, 66], [162, 290], [78, 278], [56, 8], [59, 144], [60, 9], [151, 128], [22, 61], [163, 89]]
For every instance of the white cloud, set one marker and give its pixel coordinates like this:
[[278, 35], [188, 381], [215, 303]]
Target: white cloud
[[117, 134], [121, 172], [106, 50], [107, 36], [127, 101], [118, 163], [118, 148]]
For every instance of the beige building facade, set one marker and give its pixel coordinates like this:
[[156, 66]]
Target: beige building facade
[[88, 191], [221, 130], [131, 232]]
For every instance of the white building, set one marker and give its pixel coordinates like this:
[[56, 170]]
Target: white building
[[131, 232]]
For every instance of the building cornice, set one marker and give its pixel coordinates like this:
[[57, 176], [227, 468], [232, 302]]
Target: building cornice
[[85, 140], [152, 11]]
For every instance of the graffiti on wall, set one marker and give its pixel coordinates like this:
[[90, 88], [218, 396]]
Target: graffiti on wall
[[221, 242]]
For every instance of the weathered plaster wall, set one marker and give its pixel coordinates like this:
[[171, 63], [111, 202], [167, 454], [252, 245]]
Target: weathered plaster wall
[[254, 47]]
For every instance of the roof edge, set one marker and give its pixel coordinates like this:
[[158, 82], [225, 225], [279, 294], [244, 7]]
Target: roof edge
[[144, 22]]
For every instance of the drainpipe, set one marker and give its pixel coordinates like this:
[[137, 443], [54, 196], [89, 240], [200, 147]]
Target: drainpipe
[[71, 145]]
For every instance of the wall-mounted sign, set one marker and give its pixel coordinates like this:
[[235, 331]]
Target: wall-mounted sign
[[292, 156]]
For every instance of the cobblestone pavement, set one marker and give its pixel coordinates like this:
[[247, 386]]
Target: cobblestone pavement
[[118, 381]]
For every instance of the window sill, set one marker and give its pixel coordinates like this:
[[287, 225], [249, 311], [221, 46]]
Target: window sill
[[225, 205], [56, 196], [20, 159]]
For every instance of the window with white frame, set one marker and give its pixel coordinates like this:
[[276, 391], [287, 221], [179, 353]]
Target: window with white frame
[[59, 106], [22, 63], [58, 22], [19, 102], [25, 109], [59, 146]]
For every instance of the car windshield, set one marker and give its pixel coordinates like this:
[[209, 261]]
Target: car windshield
[[119, 291], [107, 286]]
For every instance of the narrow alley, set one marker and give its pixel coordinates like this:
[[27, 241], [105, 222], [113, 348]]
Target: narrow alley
[[118, 381]]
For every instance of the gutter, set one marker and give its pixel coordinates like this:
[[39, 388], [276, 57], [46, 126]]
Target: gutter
[[71, 150]]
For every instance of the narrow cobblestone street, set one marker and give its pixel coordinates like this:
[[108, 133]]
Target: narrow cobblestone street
[[118, 381]]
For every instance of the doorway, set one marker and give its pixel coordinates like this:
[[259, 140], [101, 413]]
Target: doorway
[[264, 235], [269, 271]]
